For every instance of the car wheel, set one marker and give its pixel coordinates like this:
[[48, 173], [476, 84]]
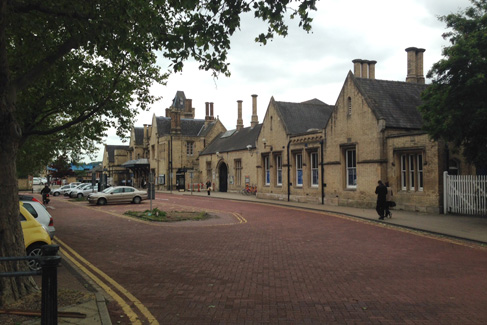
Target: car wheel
[[56, 194], [80, 195], [102, 201], [34, 250], [137, 200]]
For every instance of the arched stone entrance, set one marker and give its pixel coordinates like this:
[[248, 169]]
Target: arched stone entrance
[[223, 177]]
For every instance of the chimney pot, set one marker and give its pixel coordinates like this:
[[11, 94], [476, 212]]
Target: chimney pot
[[239, 115], [357, 67], [372, 69], [411, 76], [255, 119]]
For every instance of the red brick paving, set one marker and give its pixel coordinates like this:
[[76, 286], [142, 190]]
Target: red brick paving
[[283, 266]]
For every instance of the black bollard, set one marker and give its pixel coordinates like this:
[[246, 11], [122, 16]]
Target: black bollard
[[49, 263]]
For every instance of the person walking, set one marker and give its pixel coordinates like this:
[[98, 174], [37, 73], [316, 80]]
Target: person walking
[[381, 191], [389, 200], [208, 186]]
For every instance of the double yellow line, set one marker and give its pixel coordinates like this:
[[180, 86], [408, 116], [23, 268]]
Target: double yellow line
[[101, 279]]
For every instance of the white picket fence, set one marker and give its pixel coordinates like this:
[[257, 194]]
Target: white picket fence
[[465, 194]]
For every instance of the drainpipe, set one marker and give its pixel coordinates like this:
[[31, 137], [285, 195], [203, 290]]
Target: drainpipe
[[322, 175], [170, 168], [288, 173]]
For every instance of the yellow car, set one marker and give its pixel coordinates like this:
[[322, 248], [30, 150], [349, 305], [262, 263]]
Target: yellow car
[[35, 236]]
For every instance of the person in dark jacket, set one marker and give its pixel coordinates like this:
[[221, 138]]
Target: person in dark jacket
[[208, 186], [45, 192], [381, 191]]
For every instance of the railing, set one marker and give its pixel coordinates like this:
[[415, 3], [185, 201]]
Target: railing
[[49, 261], [465, 194]]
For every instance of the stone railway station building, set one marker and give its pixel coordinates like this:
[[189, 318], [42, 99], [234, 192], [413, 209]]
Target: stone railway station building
[[307, 152]]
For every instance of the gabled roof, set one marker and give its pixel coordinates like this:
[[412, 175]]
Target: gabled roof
[[233, 140], [298, 118], [394, 101], [110, 149], [189, 127], [139, 136], [179, 100]]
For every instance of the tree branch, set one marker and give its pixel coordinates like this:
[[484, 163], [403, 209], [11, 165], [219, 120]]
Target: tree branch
[[38, 69]]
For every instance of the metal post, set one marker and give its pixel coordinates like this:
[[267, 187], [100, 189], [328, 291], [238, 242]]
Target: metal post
[[49, 263]]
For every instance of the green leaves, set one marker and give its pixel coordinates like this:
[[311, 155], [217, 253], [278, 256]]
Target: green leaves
[[455, 105], [92, 63]]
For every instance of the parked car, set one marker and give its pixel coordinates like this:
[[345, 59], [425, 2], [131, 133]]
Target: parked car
[[77, 187], [39, 212], [23, 197], [35, 236], [37, 181], [118, 194], [61, 190], [83, 191]]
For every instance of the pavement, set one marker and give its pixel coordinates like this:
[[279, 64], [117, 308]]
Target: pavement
[[472, 229]]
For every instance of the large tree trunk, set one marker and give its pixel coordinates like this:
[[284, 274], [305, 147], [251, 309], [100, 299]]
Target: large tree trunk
[[11, 237]]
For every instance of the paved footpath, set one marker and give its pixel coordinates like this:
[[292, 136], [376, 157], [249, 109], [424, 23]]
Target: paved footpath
[[472, 228]]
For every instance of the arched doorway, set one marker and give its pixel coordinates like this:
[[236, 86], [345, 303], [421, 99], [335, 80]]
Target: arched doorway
[[223, 177]]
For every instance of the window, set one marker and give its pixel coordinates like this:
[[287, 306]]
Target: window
[[314, 169], [238, 171], [31, 209], [189, 148], [279, 170], [453, 167], [349, 106], [351, 162], [412, 172], [299, 169], [267, 172], [208, 169]]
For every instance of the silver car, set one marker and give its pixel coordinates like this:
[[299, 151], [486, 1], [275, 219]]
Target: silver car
[[40, 213], [77, 187], [118, 194], [86, 190]]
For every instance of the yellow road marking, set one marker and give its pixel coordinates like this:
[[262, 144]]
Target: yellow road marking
[[126, 308]]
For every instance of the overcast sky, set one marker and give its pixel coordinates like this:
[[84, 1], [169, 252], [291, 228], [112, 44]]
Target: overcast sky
[[304, 66]]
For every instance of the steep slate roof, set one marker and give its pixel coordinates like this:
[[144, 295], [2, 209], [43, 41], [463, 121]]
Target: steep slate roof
[[189, 127], [233, 140], [179, 100], [111, 151], [139, 136], [394, 101], [298, 118]]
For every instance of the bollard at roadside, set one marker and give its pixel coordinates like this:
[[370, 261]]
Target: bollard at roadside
[[49, 263]]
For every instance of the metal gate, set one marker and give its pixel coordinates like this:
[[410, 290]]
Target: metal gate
[[465, 194]]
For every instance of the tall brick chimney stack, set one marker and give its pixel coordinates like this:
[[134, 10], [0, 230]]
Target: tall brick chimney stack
[[175, 121], [411, 76], [364, 68], [255, 119], [372, 69], [357, 68], [207, 114], [212, 117], [415, 65], [419, 66], [239, 116]]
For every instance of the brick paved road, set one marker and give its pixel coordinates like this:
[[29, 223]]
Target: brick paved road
[[283, 266]]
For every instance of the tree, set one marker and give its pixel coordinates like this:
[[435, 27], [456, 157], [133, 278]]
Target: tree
[[76, 68], [455, 104]]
